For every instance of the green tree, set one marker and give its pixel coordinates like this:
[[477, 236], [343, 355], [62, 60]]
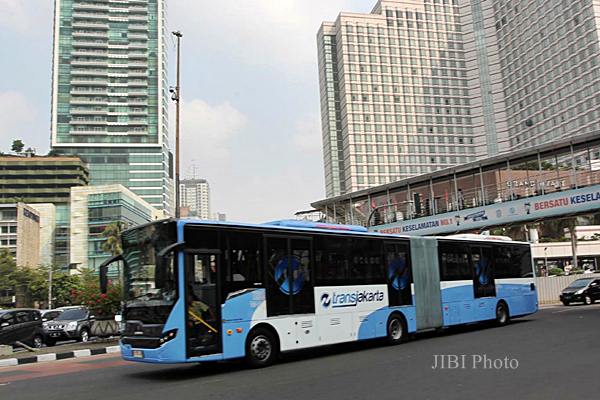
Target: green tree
[[17, 145], [103, 305], [112, 233]]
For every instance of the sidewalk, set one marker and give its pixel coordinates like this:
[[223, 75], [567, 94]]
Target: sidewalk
[[60, 352]]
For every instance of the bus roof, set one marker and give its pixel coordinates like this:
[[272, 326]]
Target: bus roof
[[310, 226]]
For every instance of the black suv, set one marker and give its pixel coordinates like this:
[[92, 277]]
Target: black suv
[[584, 290], [21, 325], [71, 324]]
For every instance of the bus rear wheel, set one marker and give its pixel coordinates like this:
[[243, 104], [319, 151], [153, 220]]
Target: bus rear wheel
[[396, 329], [502, 316], [261, 348]]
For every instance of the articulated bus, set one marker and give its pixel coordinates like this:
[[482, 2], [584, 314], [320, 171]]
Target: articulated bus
[[197, 291]]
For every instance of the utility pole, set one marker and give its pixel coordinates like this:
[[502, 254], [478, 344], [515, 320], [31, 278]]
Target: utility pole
[[50, 288], [176, 96]]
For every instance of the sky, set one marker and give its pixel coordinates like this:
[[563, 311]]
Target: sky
[[250, 96]]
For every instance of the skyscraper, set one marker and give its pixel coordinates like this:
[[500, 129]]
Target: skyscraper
[[195, 195], [537, 64], [110, 93], [418, 85], [394, 94]]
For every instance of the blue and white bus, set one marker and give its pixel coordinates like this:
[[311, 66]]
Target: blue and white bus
[[197, 291]]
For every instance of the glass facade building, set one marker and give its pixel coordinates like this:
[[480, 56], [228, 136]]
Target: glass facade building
[[92, 209], [110, 93]]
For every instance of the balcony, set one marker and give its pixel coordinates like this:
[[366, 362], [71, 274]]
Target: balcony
[[87, 91], [88, 101], [88, 122], [91, 44], [137, 92], [86, 111], [137, 36], [87, 132], [141, 83], [137, 64], [138, 113], [142, 56], [89, 82], [137, 74], [90, 24], [91, 7], [138, 27], [137, 102], [89, 53], [90, 34], [138, 18], [89, 72], [138, 8], [90, 15], [95, 63]]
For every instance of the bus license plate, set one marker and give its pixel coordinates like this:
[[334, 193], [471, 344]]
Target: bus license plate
[[138, 354]]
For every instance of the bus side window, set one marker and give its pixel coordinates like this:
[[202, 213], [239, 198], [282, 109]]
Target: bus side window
[[332, 260], [244, 264], [454, 262]]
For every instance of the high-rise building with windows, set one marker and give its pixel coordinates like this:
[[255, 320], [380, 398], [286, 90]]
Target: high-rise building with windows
[[195, 196], [110, 93], [417, 85], [394, 94], [533, 67]]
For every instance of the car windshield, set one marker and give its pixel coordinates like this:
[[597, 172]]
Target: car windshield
[[70, 315], [579, 283]]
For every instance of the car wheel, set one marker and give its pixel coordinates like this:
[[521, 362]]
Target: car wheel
[[396, 329], [37, 342], [565, 303], [502, 316], [261, 348], [587, 300], [84, 336]]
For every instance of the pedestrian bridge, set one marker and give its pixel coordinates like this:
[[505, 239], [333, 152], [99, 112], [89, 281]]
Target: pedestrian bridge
[[554, 180]]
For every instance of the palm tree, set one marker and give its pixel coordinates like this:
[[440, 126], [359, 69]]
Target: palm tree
[[112, 233]]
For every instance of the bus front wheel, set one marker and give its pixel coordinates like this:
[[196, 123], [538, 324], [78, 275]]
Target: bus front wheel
[[396, 329], [261, 348]]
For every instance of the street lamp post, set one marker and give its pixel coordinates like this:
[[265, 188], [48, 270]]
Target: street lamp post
[[176, 96], [546, 260]]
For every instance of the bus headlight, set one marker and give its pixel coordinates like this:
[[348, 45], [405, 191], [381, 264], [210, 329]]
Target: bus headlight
[[167, 336]]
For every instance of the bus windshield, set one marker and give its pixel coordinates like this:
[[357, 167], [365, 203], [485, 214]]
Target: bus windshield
[[150, 282]]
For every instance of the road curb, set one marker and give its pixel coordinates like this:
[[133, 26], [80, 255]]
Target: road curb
[[11, 362]]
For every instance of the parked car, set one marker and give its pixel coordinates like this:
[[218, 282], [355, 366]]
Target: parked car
[[49, 315], [21, 325], [583, 290], [71, 324]]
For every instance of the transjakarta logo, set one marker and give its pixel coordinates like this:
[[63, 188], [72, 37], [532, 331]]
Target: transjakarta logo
[[351, 299]]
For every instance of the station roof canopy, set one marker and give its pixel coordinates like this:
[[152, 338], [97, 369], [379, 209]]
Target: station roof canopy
[[543, 151]]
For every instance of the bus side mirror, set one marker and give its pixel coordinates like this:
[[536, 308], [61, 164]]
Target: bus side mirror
[[104, 272]]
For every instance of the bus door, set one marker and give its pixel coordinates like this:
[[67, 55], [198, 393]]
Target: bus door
[[290, 288], [203, 316], [483, 273]]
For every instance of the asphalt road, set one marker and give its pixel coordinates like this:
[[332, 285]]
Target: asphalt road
[[557, 353]]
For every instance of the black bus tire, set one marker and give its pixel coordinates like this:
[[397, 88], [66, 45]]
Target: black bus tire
[[396, 329], [502, 315], [262, 348]]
